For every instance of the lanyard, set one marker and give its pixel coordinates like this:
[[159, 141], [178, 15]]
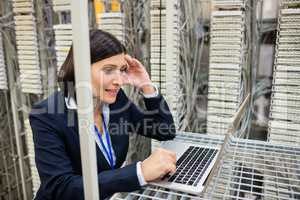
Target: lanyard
[[109, 151]]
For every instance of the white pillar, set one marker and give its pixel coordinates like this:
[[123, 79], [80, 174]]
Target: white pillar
[[81, 45]]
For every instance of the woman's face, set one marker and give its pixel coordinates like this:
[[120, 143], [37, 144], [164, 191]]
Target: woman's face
[[107, 77]]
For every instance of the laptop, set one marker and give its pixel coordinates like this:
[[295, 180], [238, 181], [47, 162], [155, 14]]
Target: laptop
[[196, 163]]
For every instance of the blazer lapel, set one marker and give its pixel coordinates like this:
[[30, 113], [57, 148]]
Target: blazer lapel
[[118, 138], [72, 121]]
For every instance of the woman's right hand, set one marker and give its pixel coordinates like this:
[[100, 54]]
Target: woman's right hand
[[158, 164]]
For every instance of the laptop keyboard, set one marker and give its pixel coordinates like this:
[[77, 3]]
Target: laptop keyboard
[[192, 165]]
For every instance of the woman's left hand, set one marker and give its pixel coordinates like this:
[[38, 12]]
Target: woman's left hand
[[137, 74]]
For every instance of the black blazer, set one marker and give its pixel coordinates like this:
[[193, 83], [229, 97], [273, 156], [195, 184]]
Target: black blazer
[[57, 150]]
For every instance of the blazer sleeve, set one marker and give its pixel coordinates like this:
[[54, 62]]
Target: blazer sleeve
[[58, 179], [156, 121]]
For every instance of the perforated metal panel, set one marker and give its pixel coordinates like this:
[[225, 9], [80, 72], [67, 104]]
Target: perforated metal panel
[[289, 3], [63, 42], [3, 75], [164, 32], [158, 48], [225, 68], [61, 5], [228, 3], [249, 170], [27, 47], [284, 124], [30, 146], [173, 91], [113, 22], [155, 4]]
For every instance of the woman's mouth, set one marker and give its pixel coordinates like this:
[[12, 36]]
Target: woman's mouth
[[112, 92]]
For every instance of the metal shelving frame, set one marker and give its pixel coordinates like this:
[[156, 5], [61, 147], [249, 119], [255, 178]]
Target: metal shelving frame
[[250, 169]]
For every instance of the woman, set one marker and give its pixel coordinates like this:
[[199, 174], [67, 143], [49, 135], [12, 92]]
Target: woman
[[55, 130]]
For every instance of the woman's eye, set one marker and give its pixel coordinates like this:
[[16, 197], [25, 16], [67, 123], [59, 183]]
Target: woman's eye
[[109, 70]]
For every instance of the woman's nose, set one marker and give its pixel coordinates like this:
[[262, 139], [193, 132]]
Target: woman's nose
[[118, 80]]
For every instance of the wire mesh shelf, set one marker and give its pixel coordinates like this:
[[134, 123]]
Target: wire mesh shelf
[[250, 169]]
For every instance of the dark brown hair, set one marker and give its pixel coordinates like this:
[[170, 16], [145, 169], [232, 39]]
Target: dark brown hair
[[102, 45]]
